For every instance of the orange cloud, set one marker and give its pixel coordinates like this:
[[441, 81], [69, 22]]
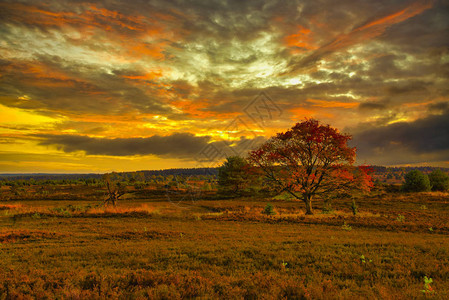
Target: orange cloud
[[149, 76], [195, 108], [39, 74], [302, 112], [320, 109], [418, 104], [93, 17], [33, 15], [332, 104], [377, 27], [301, 39], [410, 11], [140, 49], [39, 70], [136, 23], [368, 31]]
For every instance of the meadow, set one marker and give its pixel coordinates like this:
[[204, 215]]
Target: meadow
[[170, 246]]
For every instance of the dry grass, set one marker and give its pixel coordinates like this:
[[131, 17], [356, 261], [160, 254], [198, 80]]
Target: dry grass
[[143, 209], [11, 206], [150, 248], [9, 236]]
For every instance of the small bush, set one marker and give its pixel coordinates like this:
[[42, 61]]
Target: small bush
[[346, 227], [269, 209], [365, 260], [416, 181], [427, 287], [400, 218]]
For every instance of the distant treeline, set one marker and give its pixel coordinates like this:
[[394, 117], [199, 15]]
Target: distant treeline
[[182, 171], [382, 169], [149, 174], [142, 174]]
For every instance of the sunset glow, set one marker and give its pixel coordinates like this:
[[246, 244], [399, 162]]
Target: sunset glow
[[133, 85]]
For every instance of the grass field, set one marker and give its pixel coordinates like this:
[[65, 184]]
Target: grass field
[[151, 248]]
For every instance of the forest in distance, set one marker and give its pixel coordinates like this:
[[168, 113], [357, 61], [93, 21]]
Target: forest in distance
[[380, 172]]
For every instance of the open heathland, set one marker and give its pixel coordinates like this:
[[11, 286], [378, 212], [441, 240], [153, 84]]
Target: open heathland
[[169, 246]]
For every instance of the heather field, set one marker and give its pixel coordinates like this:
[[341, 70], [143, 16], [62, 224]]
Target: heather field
[[159, 247]]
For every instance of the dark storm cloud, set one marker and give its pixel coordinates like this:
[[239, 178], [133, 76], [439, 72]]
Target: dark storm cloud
[[404, 142], [408, 87], [372, 106], [440, 107], [385, 66], [177, 145]]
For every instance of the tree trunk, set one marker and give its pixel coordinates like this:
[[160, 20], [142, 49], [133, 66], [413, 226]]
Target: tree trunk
[[308, 202]]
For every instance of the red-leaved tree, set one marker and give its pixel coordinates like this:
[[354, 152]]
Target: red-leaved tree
[[310, 160]]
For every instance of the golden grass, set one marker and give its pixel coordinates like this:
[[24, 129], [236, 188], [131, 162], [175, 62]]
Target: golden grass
[[11, 206], [224, 249], [144, 208]]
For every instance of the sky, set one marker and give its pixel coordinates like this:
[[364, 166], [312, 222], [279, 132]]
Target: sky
[[138, 85]]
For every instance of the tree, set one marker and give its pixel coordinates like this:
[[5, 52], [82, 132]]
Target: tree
[[439, 180], [310, 160], [115, 188], [416, 181], [232, 175]]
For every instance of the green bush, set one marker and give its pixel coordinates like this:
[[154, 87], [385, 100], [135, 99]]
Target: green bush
[[269, 209], [416, 181], [439, 180]]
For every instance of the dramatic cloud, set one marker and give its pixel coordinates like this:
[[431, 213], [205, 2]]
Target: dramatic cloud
[[422, 141], [362, 33], [111, 80], [178, 145]]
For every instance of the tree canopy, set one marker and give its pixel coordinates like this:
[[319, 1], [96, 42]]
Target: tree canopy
[[416, 181], [439, 180], [232, 175], [308, 160]]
